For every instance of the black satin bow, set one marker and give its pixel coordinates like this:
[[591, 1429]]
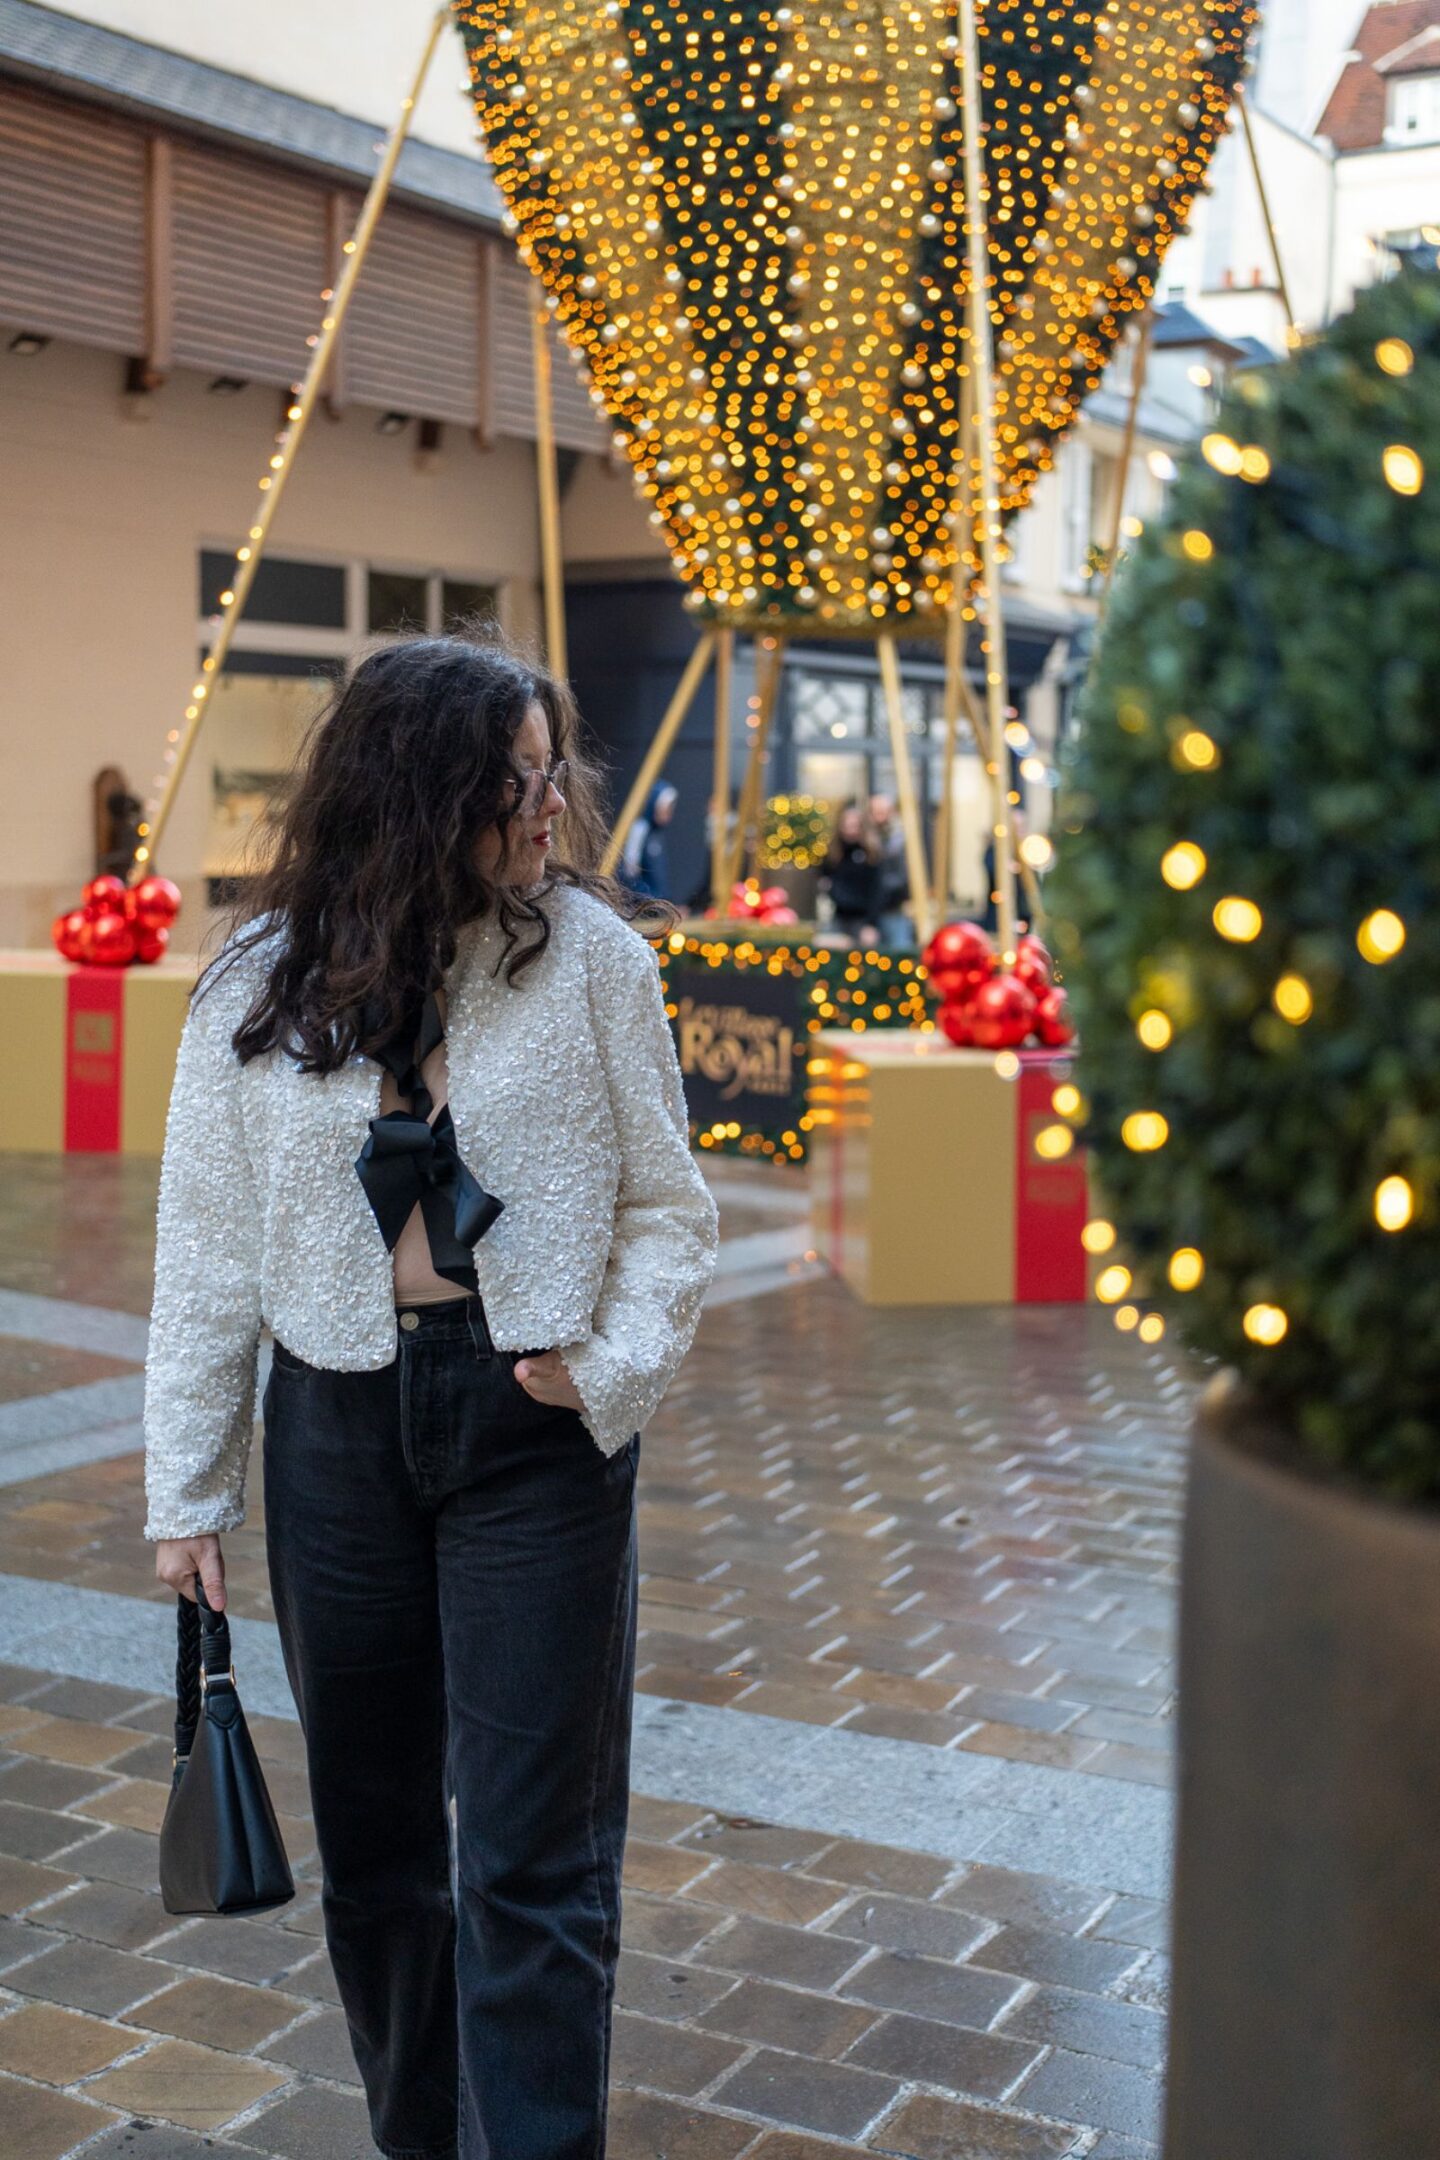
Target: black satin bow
[[409, 1158]]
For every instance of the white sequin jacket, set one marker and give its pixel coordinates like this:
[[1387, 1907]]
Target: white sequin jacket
[[566, 1095]]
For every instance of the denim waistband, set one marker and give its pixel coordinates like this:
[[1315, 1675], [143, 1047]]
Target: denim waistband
[[456, 1319]]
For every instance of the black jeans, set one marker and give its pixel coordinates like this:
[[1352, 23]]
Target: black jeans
[[453, 1572]]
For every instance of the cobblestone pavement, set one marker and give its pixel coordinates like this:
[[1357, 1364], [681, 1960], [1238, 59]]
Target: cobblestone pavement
[[899, 1837]]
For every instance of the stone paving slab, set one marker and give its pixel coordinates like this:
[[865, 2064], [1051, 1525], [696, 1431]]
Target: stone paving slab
[[795, 1986], [900, 1792], [895, 1876]]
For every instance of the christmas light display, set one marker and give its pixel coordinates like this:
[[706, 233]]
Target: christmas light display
[[750, 220], [1244, 900]]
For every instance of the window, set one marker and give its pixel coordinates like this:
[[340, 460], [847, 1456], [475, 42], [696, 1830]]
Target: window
[[469, 604], [303, 625], [302, 594], [398, 602], [1415, 109]]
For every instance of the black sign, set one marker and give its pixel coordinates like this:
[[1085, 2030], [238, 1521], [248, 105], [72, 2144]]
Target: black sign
[[743, 1046]]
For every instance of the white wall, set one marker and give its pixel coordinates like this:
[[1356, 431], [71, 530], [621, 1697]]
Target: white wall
[[1380, 191], [356, 55], [1224, 267], [99, 567], [1300, 44]]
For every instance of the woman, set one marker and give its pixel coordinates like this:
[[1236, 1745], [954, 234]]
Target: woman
[[852, 875], [473, 1223]]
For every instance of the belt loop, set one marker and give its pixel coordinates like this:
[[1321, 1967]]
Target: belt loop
[[479, 1332]]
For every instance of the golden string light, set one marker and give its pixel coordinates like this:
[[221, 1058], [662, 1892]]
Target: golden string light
[[749, 219], [1381, 936], [335, 302], [1183, 865], [1394, 1203], [1238, 920], [1293, 999]]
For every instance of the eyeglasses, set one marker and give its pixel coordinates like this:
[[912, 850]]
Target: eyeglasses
[[528, 790]]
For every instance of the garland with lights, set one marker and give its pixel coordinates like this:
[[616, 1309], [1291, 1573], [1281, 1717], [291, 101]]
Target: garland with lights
[[855, 989], [1245, 898]]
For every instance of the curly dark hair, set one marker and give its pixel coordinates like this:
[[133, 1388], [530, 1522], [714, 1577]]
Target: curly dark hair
[[369, 868]]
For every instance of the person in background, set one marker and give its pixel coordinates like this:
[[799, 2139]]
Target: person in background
[[643, 865], [851, 875], [700, 898], [895, 925]]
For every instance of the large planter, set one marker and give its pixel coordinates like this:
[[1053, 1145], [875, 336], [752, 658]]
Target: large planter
[[801, 886], [1307, 1917]]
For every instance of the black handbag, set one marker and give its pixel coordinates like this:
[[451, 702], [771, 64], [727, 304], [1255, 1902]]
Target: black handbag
[[220, 1845]]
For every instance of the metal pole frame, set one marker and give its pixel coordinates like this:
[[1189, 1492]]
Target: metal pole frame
[[272, 485], [547, 474], [737, 863], [920, 904], [659, 750], [720, 775], [1139, 369], [1292, 326], [996, 672]]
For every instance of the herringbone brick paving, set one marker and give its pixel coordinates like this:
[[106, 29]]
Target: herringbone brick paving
[[957, 1530]]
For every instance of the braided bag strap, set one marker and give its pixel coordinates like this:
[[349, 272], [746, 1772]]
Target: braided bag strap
[[202, 1645]]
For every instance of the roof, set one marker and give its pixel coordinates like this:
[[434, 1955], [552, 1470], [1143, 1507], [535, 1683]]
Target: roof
[[1254, 352], [1392, 37], [79, 59], [1177, 327]]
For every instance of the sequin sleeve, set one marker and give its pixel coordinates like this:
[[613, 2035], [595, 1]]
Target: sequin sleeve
[[665, 1235], [201, 1364]]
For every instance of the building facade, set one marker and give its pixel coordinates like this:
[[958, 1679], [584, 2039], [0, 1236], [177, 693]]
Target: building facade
[[176, 184]]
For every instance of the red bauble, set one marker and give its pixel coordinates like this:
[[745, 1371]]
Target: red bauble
[[108, 941], [1001, 1013], [155, 902], [958, 958], [955, 1022], [1053, 1024], [104, 895], [150, 944], [1033, 965], [65, 933], [774, 896], [781, 915]]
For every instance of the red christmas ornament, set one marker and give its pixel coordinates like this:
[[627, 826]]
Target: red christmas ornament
[[104, 895], [770, 906], [1033, 965], [154, 902], [1053, 1024], [958, 958], [955, 1022], [65, 933], [150, 943], [1001, 1013], [107, 941]]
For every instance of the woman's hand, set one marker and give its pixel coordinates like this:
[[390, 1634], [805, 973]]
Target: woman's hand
[[546, 1377], [179, 1560]]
